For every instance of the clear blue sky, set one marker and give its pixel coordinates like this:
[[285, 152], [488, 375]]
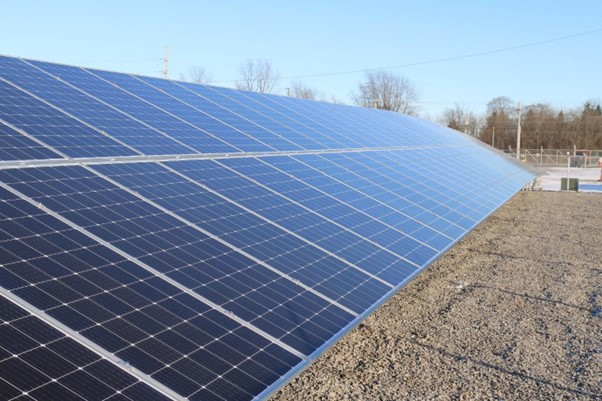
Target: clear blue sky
[[314, 37]]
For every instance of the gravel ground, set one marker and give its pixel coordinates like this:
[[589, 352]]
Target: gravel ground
[[512, 312]]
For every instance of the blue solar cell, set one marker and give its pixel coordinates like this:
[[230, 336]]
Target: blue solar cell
[[151, 91], [176, 192], [360, 129], [382, 129], [396, 193], [373, 199], [442, 194], [331, 198], [236, 115], [408, 182], [366, 128]]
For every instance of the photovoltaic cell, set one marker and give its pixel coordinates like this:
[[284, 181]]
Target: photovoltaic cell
[[384, 185], [405, 178], [323, 120], [166, 239], [311, 138], [329, 197]]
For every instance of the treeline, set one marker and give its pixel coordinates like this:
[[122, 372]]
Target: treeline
[[541, 125]]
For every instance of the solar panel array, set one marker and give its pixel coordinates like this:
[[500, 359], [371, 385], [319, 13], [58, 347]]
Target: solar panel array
[[167, 240]]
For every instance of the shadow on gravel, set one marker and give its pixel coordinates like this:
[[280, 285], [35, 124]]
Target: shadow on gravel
[[532, 297], [467, 359]]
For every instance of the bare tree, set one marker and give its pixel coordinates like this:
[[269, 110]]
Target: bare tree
[[538, 124], [197, 74], [501, 119], [257, 76], [461, 119], [501, 104], [387, 91], [301, 90]]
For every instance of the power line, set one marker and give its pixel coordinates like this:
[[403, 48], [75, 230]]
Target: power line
[[442, 60]]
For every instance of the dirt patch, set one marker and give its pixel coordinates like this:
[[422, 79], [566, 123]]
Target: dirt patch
[[512, 312]]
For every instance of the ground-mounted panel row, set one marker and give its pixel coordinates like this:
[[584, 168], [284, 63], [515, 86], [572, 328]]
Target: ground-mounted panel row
[[236, 268], [85, 113]]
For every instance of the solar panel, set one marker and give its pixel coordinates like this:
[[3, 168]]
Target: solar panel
[[39, 362], [14, 145], [207, 116], [107, 119], [180, 241], [155, 326], [52, 127]]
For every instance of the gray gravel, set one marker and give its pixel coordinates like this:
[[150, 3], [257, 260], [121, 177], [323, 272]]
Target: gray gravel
[[512, 312]]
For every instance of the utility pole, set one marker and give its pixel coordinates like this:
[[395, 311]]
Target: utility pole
[[288, 91], [518, 135], [166, 61], [493, 138]]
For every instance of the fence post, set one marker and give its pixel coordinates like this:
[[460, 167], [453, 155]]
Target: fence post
[[568, 169]]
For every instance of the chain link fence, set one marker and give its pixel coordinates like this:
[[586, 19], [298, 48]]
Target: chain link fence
[[583, 158]]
